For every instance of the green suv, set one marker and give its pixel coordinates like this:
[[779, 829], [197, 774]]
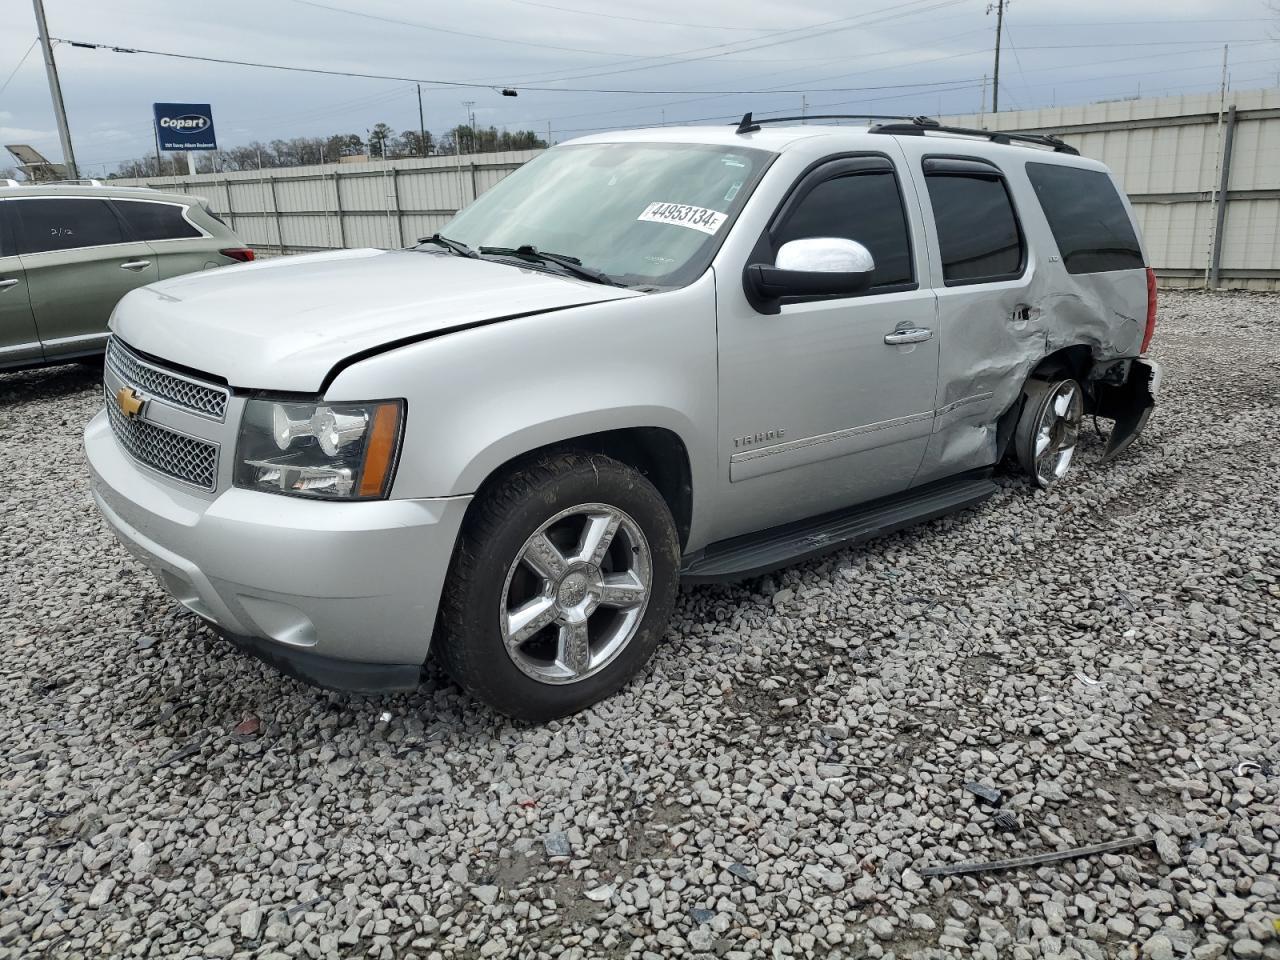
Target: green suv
[[69, 252]]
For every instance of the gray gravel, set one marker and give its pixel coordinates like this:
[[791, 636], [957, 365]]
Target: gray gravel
[[778, 785]]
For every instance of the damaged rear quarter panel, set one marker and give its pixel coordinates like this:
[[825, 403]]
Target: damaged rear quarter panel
[[993, 335]]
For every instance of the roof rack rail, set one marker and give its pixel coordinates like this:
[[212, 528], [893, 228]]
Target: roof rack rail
[[80, 182], [916, 128], [9, 182], [749, 124]]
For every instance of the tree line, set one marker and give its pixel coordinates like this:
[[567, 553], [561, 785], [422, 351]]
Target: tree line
[[382, 142]]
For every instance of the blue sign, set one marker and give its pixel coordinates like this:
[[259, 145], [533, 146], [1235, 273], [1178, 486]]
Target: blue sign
[[185, 126]]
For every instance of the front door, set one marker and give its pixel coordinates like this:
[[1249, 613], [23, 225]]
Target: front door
[[19, 342], [822, 404], [79, 261]]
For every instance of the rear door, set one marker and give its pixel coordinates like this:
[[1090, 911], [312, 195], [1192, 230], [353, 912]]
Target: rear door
[[80, 260], [180, 246], [988, 313], [19, 342]]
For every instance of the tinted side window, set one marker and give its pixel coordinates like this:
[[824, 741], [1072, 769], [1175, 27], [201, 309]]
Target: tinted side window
[[6, 228], [1087, 217], [865, 207], [65, 224], [155, 221], [978, 232]]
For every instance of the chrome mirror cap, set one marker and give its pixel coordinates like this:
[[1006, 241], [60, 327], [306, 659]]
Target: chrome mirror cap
[[825, 255]]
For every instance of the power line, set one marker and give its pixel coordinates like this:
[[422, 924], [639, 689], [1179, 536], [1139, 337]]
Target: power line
[[462, 33], [1016, 59], [736, 116], [456, 83], [892, 12], [715, 94], [662, 23], [1138, 43], [23, 59]]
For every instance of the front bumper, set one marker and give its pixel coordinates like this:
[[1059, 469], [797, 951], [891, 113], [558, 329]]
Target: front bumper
[[343, 595]]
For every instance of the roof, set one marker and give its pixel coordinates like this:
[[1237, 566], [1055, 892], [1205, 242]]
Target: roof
[[778, 137], [90, 189], [772, 138]]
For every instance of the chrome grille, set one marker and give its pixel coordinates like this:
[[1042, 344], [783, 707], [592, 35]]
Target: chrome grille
[[204, 399], [167, 451]]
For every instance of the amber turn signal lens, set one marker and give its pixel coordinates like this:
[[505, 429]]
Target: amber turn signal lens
[[380, 452]]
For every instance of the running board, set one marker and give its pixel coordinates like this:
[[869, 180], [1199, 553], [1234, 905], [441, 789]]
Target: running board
[[758, 553]]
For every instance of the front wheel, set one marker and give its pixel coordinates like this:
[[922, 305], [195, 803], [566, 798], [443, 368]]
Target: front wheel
[[561, 585], [1048, 429]]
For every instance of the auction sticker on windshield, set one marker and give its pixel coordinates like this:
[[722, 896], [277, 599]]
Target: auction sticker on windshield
[[683, 215]]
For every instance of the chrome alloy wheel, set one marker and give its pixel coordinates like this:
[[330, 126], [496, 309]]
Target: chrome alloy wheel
[[1057, 432], [576, 593]]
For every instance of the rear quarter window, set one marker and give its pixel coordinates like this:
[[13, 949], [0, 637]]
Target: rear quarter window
[[156, 221], [1087, 217]]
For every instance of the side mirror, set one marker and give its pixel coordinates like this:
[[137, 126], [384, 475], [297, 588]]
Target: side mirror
[[816, 266]]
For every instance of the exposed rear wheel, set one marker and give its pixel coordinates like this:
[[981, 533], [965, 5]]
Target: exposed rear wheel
[[561, 586], [1048, 429]]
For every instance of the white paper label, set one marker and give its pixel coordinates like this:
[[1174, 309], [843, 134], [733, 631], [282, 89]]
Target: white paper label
[[683, 215]]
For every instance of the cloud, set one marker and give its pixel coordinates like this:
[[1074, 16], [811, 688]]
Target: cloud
[[1055, 53], [26, 135]]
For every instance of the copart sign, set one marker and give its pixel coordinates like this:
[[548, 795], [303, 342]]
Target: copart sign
[[185, 126]]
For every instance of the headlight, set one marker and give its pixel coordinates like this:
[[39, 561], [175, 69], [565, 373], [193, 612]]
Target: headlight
[[333, 451]]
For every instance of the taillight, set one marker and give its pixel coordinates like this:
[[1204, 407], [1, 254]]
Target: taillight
[[243, 254], [1151, 310]]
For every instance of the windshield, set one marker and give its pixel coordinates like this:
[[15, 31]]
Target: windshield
[[644, 214]]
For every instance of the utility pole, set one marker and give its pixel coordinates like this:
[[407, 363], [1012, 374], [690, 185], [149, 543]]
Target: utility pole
[[804, 109], [471, 123], [422, 126], [55, 92], [998, 6]]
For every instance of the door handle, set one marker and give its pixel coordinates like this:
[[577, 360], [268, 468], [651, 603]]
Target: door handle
[[6, 284], [135, 265], [909, 335]]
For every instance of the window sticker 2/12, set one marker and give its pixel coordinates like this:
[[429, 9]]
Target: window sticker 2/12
[[683, 215]]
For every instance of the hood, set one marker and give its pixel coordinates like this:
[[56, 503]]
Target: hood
[[283, 324]]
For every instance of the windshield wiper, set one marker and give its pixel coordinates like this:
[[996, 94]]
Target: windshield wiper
[[573, 265], [455, 247]]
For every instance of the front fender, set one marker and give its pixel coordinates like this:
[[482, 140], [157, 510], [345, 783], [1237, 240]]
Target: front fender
[[480, 397]]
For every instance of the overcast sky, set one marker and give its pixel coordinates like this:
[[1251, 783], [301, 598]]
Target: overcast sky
[[910, 57]]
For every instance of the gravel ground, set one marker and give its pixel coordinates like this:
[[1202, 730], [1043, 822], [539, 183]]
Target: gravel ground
[[1104, 656]]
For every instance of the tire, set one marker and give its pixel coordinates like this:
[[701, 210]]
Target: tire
[[512, 616], [1048, 429]]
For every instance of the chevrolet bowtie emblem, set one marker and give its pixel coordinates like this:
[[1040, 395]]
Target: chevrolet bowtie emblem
[[129, 402]]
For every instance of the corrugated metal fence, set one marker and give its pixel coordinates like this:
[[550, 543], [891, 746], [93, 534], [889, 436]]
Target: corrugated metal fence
[[375, 204], [1168, 153]]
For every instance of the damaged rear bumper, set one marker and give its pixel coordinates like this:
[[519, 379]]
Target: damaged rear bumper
[[1129, 403]]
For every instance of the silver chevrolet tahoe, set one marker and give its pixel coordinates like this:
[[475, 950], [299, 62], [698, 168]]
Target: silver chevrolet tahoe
[[674, 354]]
